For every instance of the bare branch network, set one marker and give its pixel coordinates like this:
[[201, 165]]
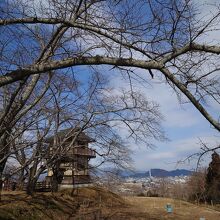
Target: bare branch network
[[43, 43], [110, 34]]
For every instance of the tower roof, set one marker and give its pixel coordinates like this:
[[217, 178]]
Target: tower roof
[[71, 132]]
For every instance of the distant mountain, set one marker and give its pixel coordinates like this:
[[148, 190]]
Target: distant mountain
[[161, 173]]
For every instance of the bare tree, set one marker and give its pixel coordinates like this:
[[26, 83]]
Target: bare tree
[[195, 186], [94, 109], [157, 36], [163, 38]]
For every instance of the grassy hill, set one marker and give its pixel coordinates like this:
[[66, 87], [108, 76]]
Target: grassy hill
[[155, 209], [96, 203]]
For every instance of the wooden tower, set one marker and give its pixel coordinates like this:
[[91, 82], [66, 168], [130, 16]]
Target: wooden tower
[[71, 148]]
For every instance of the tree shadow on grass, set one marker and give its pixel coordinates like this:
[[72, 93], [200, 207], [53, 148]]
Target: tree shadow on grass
[[40, 206]]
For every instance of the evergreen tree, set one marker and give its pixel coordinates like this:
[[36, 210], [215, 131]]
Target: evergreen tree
[[213, 179]]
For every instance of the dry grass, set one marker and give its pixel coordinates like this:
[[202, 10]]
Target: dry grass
[[155, 209], [87, 204], [96, 203]]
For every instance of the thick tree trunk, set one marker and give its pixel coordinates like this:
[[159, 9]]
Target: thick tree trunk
[[56, 180], [32, 179], [57, 177], [21, 180], [3, 157], [2, 166], [54, 184], [31, 186]]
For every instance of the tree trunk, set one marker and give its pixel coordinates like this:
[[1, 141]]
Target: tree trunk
[[3, 158], [21, 179], [2, 166], [31, 186], [32, 179], [57, 177], [54, 184]]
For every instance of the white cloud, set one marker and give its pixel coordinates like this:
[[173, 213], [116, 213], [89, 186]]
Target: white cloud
[[162, 155], [175, 115], [167, 155], [187, 146]]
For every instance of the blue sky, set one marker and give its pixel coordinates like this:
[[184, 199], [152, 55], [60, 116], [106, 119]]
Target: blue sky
[[184, 126]]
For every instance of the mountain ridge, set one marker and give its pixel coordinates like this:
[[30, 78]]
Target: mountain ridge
[[156, 172]]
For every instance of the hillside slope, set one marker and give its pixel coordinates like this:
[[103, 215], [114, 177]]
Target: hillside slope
[[96, 203], [87, 203], [155, 209]]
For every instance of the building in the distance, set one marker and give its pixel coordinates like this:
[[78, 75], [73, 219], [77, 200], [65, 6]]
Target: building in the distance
[[71, 148]]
